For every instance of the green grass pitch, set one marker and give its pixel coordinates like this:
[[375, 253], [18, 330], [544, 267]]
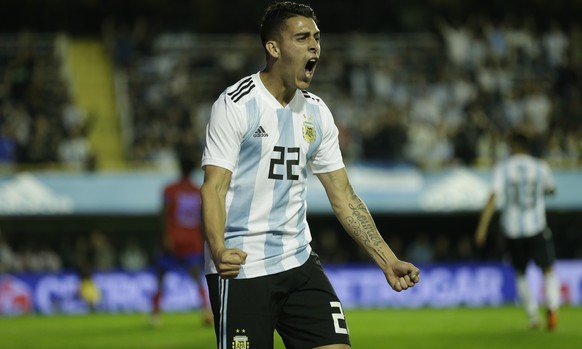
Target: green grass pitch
[[499, 328]]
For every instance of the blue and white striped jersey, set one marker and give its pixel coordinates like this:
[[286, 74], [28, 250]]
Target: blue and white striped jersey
[[520, 184], [268, 147]]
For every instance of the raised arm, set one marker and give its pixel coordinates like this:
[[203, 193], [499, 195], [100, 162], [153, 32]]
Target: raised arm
[[213, 192], [357, 221]]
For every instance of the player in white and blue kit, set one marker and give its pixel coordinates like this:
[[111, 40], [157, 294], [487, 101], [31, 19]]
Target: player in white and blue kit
[[267, 149], [520, 184], [265, 133]]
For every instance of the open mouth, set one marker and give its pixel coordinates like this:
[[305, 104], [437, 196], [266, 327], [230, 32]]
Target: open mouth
[[310, 67]]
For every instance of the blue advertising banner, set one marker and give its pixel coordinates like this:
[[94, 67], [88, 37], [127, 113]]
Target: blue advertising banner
[[443, 285], [358, 286]]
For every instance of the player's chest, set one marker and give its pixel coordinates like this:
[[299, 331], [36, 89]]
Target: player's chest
[[286, 129]]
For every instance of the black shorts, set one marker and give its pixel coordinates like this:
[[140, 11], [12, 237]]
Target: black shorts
[[300, 304], [539, 248]]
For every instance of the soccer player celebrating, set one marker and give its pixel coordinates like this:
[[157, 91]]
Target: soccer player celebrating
[[519, 185], [183, 238], [264, 132]]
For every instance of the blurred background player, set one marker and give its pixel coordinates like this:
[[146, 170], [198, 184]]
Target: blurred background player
[[85, 262], [183, 239], [520, 184]]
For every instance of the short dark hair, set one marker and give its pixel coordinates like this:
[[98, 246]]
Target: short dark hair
[[277, 13], [187, 158], [187, 165], [519, 139]]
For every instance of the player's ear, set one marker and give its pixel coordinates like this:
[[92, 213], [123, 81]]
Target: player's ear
[[273, 48]]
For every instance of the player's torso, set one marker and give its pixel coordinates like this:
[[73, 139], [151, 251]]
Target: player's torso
[[524, 208], [271, 171], [280, 140], [266, 201], [183, 215]]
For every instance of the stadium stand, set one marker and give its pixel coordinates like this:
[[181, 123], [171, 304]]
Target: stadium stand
[[41, 127], [430, 100]]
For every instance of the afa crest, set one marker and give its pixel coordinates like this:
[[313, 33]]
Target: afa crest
[[240, 341], [309, 133]]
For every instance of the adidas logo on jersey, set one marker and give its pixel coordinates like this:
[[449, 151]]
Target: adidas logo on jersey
[[260, 132]]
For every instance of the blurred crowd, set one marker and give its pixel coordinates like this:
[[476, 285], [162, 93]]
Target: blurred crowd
[[97, 250], [430, 100], [447, 243], [39, 123], [83, 253]]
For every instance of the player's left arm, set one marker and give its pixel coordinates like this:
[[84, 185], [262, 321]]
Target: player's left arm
[[358, 222]]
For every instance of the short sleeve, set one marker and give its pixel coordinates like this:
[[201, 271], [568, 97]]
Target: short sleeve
[[328, 156], [224, 134]]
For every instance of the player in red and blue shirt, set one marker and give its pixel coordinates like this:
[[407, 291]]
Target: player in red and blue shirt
[[183, 238]]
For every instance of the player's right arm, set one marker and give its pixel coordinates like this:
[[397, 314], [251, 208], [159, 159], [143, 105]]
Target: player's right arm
[[549, 181], [213, 192], [224, 135], [167, 242], [484, 220]]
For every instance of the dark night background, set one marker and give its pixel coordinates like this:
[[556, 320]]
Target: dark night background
[[227, 16]]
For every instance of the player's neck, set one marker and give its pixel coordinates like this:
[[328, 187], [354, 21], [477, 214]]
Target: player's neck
[[275, 84]]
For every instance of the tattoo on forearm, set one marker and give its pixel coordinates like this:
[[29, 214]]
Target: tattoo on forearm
[[360, 224]]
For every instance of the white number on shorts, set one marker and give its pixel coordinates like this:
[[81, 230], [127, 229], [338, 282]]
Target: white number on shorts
[[337, 317]]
